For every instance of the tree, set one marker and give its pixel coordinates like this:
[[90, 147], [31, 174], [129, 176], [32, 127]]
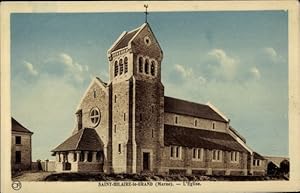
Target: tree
[[285, 167]]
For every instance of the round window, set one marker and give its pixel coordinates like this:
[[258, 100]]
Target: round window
[[147, 41], [95, 116]]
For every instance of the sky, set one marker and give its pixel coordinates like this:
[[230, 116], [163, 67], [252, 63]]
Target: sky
[[238, 61]]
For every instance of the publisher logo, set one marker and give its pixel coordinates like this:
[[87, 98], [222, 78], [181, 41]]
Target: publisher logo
[[16, 185]]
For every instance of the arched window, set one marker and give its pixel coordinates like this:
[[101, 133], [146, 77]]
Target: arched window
[[81, 156], [126, 64], [98, 156], [116, 68], [194, 153], [219, 155], [147, 66], [95, 94], [200, 153], [75, 156], [214, 155], [141, 64], [152, 68], [121, 66], [90, 156], [119, 148]]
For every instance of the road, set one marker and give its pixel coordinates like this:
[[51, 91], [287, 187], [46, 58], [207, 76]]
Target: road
[[32, 176]]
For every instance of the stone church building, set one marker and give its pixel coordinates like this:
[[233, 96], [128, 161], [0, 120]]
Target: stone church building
[[128, 125]]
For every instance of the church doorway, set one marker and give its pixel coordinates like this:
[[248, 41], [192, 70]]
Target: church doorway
[[146, 161]]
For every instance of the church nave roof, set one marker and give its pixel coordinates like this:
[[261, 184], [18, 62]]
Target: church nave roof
[[173, 105], [200, 138]]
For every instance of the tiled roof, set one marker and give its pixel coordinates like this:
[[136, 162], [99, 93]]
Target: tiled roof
[[237, 134], [173, 105], [85, 139], [125, 39], [16, 126], [200, 138], [257, 156], [276, 160]]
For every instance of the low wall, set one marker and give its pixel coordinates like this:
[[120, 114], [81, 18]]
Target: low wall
[[89, 167], [47, 166]]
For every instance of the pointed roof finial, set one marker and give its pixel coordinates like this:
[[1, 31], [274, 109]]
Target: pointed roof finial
[[146, 12]]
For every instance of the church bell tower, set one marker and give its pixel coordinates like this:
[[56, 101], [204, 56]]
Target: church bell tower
[[137, 96]]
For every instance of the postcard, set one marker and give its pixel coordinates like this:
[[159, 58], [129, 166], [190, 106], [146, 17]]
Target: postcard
[[149, 96]]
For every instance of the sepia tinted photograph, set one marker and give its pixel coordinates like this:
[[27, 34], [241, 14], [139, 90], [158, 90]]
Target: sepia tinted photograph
[[148, 97]]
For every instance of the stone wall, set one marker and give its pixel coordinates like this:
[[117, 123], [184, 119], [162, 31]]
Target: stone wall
[[151, 51], [120, 123], [148, 101], [189, 121], [137, 110], [47, 166], [93, 165], [89, 167], [261, 169], [149, 121], [206, 165], [117, 57], [24, 148], [101, 101]]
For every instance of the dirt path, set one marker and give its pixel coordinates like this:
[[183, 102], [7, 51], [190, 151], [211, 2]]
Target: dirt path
[[33, 176]]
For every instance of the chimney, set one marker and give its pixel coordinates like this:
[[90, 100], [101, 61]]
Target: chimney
[[79, 119]]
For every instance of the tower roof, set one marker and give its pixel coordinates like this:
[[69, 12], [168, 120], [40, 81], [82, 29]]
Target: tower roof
[[123, 42], [126, 38]]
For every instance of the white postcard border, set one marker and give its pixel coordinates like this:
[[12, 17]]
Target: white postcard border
[[294, 91]]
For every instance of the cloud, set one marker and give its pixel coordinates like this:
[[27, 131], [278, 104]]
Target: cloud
[[272, 54], [189, 74], [60, 76], [227, 66], [73, 70], [30, 68], [270, 51], [255, 72], [47, 117], [66, 59], [184, 71], [70, 63], [184, 75]]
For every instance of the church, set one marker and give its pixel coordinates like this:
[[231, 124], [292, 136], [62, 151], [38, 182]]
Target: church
[[128, 125]]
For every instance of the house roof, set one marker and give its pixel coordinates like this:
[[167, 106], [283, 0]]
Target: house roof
[[257, 156], [276, 160], [123, 42], [173, 105], [85, 139], [190, 137], [16, 126]]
